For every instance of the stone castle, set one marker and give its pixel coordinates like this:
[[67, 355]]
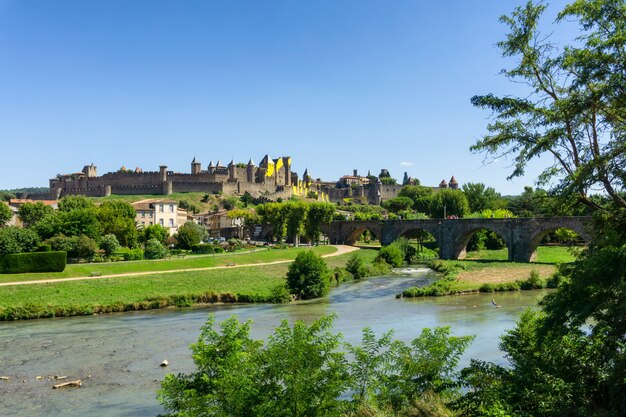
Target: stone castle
[[270, 180]]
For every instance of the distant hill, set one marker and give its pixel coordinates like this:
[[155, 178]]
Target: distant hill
[[5, 195]]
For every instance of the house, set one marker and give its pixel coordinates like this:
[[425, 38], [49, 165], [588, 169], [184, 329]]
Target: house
[[218, 221], [159, 211]]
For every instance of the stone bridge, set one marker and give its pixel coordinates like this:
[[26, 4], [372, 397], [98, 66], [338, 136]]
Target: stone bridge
[[521, 235]]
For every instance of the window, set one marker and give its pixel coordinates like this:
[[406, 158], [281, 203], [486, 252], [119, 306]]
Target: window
[[143, 223], [143, 213], [171, 222], [171, 208], [161, 222], [161, 208]]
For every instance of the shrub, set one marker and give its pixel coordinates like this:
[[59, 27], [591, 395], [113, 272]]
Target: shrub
[[218, 249], [17, 240], [202, 248], [308, 276], [280, 294], [534, 282], [44, 248], [154, 249], [356, 266], [341, 275], [33, 262], [109, 244], [392, 255]]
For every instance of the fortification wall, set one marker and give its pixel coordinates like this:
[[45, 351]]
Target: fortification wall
[[126, 179], [201, 187], [136, 189]]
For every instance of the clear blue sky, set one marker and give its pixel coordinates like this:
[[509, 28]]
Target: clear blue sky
[[338, 85]]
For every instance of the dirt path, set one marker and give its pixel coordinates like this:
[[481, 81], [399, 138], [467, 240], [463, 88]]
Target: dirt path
[[341, 249]]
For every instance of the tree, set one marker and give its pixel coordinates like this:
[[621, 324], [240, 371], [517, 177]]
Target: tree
[[479, 197], [388, 181], [31, 213], [357, 267], [318, 214], [75, 202], [449, 202], [308, 276], [398, 204], [5, 213], [154, 231], [392, 255], [274, 214], [296, 214], [154, 249], [109, 244], [574, 108], [421, 196], [569, 358], [118, 218], [18, 240], [190, 234]]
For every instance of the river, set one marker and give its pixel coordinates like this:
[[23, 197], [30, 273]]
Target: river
[[117, 356]]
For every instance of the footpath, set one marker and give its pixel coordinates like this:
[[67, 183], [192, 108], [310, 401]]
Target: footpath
[[341, 249]]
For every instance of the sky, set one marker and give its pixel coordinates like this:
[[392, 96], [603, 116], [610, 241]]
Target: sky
[[336, 85]]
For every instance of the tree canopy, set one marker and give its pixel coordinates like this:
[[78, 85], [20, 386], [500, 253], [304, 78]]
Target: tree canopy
[[574, 107]]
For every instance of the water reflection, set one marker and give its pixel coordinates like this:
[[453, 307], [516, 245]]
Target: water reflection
[[118, 356]]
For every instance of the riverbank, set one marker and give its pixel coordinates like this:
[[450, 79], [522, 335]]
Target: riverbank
[[249, 284], [486, 272]]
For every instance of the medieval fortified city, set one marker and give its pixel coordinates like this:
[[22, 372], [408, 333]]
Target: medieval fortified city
[[356, 277]]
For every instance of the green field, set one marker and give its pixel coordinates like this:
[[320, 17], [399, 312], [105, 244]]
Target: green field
[[545, 254], [246, 284], [261, 255]]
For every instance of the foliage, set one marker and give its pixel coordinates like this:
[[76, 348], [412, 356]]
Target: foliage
[[318, 214], [118, 218], [109, 244], [154, 249], [479, 197], [421, 196], [17, 263], [398, 204], [5, 213], [392, 255], [81, 247], [154, 231], [302, 372], [357, 267], [75, 202], [203, 248], [452, 202], [17, 240], [190, 234], [31, 213], [308, 276], [573, 109], [388, 181]]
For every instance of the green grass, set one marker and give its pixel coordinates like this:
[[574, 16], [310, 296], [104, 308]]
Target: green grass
[[545, 254], [246, 284], [261, 255]]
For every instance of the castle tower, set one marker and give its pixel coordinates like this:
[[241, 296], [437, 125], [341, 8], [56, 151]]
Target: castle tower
[[196, 167], [287, 164], [379, 191], [232, 171], [306, 178], [90, 171], [211, 167], [453, 184], [443, 184], [250, 172], [163, 172]]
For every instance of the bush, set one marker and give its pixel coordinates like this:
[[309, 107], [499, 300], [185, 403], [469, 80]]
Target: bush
[[341, 275], [218, 249], [109, 244], [133, 254], [308, 276], [356, 266], [44, 248], [17, 240], [17, 263], [202, 248], [392, 255], [154, 249], [534, 282]]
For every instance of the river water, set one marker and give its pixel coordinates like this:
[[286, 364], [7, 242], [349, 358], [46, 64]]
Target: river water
[[117, 356]]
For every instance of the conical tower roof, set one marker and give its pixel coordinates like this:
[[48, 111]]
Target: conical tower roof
[[250, 162], [211, 164], [453, 180]]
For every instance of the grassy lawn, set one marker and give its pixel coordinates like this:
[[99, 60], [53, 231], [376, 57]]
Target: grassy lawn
[[261, 255], [545, 254], [255, 283]]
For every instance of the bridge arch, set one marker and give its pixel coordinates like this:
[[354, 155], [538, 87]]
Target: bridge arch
[[541, 232], [459, 247]]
